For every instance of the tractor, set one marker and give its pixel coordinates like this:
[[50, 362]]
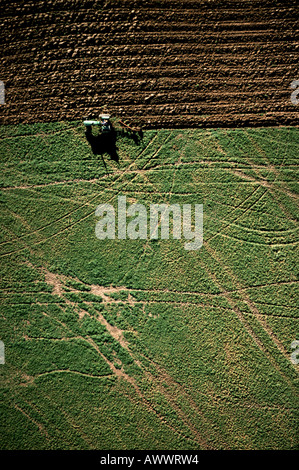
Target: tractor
[[104, 122], [109, 130]]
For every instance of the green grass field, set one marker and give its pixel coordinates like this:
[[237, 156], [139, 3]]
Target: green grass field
[[140, 344]]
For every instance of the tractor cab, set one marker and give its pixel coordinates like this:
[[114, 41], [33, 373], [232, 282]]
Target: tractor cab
[[105, 123]]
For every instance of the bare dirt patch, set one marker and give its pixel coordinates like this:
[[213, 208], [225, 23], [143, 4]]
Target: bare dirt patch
[[105, 291], [53, 280]]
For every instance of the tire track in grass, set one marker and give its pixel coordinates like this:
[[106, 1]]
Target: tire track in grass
[[257, 316], [192, 194], [272, 140], [164, 376], [49, 224], [250, 229], [271, 165], [273, 315], [40, 426], [169, 394], [195, 293], [70, 420], [75, 210], [240, 289], [147, 241], [256, 169], [142, 303], [54, 280], [270, 186], [216, 234], [125, 345], [276, 305], [143, 170], [60, 410], [40, 134], [16, 238], [256, 243], [167, 195], [87, 203], [158, 224], [263, 182], [182, 416], [248, 301], [223, 228], [68, 214], [149, 406], [176, 430], [121, 374], [51, 183]]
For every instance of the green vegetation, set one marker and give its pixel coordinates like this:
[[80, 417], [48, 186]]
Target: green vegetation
[[140, 344]]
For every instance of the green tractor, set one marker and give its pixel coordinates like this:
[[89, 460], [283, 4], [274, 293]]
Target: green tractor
[[104, 122]]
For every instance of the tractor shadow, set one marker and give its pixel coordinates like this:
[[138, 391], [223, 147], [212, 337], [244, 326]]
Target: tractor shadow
[[106, 142], [103, 143]]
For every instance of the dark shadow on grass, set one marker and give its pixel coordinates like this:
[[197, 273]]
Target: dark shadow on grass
[[105, 142]]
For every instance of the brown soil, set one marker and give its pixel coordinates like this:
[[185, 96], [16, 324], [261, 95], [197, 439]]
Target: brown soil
[[178, 63]]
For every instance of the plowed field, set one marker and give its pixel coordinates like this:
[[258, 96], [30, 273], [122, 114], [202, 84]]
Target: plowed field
[[158, 63]]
